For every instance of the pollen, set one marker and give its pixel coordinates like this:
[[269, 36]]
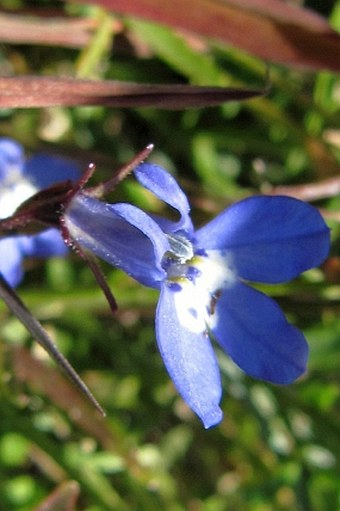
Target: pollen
[[180, 247]]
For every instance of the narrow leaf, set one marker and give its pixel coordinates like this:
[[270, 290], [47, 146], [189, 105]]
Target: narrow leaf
[[35, 91]]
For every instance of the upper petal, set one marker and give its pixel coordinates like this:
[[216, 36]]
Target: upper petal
[[121, 234], [165, 187], [272, 239], [44, 170], [254, 332], [188, 357]]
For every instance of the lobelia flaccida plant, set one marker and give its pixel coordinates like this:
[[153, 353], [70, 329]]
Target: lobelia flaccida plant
[[202, 275]]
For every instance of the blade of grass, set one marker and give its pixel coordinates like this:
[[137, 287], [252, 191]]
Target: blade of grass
[[18, 308]]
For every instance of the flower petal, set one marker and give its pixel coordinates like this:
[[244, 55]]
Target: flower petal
[[164, 186], [15, 188], [254, 332], [189, 359], [121, 234], [44, 170], [11, 261], [271, 239], [45, 244], [11, 159]]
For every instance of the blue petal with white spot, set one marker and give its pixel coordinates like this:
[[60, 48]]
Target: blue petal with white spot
[[271, 239], [189, 358]]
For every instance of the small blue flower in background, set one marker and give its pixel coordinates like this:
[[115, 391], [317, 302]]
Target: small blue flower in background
[[19, 180], [202, 278]]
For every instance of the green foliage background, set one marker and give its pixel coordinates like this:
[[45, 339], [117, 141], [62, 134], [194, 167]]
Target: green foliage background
[[278, 448]]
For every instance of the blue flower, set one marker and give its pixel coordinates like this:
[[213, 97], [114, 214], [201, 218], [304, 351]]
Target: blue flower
[[202, 278], [19, 180]]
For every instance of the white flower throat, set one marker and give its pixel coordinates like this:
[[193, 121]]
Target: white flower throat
[[197, 279]]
